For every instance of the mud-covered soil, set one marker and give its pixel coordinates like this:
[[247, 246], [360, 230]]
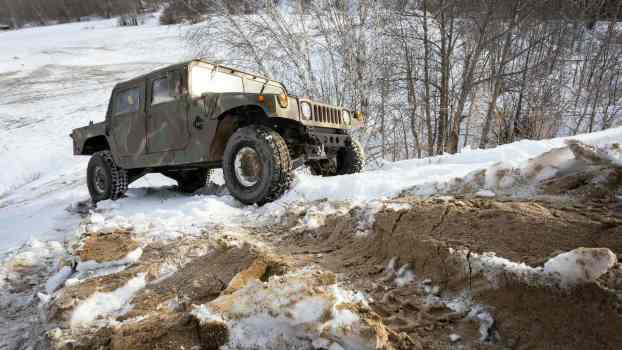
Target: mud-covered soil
[[525, 316], [418, 261]]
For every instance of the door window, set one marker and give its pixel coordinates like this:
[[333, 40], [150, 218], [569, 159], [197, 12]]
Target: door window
[[127, 101], [160, 91]]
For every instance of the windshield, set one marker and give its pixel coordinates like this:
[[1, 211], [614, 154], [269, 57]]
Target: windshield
[[206, 79]]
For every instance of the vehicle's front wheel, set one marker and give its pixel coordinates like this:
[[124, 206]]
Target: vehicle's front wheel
[[348, 160], [351, 158], [256, 165], [104, 178]]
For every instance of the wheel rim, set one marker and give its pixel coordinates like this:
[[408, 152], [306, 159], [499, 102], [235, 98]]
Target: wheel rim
[[99, 179], [247, 167]]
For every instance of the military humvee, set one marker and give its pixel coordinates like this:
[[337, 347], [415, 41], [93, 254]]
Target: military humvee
[[186, 119]]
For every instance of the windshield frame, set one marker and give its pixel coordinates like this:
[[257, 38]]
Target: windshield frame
[[250, 83]]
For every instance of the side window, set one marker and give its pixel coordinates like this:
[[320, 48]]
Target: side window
[[127, 101], [160, 91]]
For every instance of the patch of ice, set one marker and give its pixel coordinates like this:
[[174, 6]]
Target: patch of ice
[[103, 304], [58, 279]]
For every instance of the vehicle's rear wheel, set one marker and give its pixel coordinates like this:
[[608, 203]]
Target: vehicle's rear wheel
[[104, 178], [192, 180], [256, 165], [189, 180]]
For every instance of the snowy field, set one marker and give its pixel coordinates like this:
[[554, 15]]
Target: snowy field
[[57, 78]]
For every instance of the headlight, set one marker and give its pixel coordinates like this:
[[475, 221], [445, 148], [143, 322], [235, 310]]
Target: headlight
[[306, 110], [345, 116], [283, 100]]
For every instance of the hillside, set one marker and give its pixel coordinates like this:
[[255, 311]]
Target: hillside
[[511, 247]]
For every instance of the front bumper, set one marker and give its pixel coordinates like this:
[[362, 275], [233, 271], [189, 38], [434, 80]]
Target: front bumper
[[322, 144]]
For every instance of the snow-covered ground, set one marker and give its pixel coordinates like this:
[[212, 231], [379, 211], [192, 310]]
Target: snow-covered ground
[[59, 77], [56, 78]]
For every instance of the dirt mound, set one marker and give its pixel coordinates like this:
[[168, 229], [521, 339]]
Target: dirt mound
[[425, 266], [102, 247], [177, 276]]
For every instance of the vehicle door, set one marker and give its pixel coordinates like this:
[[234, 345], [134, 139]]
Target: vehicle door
[[128, 120], [167, 113]]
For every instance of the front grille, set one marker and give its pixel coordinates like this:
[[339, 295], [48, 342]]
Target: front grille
[[324, 114]]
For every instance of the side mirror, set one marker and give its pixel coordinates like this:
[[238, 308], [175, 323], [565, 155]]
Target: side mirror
[[175, 84]]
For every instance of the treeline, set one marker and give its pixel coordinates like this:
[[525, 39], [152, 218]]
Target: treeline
[[18, 13], [435, 76], [432, 76]]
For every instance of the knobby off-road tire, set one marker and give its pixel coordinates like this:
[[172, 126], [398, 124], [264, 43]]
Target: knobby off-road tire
[[104, 178], [256, 165], [349, 160], [192, 180], [322, 167]]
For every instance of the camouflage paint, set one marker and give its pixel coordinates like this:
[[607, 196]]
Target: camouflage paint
[[186, 130]]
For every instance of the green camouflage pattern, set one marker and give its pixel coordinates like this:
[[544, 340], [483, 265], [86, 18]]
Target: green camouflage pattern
[[190, 130]]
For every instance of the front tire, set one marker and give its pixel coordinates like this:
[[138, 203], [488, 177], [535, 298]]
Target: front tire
[[256, 165], [104, 178], [351, 158], [348, 160]]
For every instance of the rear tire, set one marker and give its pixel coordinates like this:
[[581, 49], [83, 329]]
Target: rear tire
[[104, 178], [193, 180], [189, 180], [256, 165]]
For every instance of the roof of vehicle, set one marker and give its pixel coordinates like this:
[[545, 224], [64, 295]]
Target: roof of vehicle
[[185, 64]]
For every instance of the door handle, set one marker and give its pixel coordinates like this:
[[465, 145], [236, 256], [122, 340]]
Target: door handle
[[198, 123]]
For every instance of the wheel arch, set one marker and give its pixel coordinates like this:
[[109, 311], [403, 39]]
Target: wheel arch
[[95, 144], [238, 117]]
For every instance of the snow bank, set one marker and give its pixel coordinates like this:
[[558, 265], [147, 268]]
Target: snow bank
[[100, 304]]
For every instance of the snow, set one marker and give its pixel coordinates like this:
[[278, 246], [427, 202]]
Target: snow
[[59, 77], [131, 258], [485, 193], [54, 79], [454, 337], [404, 276], [578, 266], [102, 304], [292, 311], [581, 265]]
